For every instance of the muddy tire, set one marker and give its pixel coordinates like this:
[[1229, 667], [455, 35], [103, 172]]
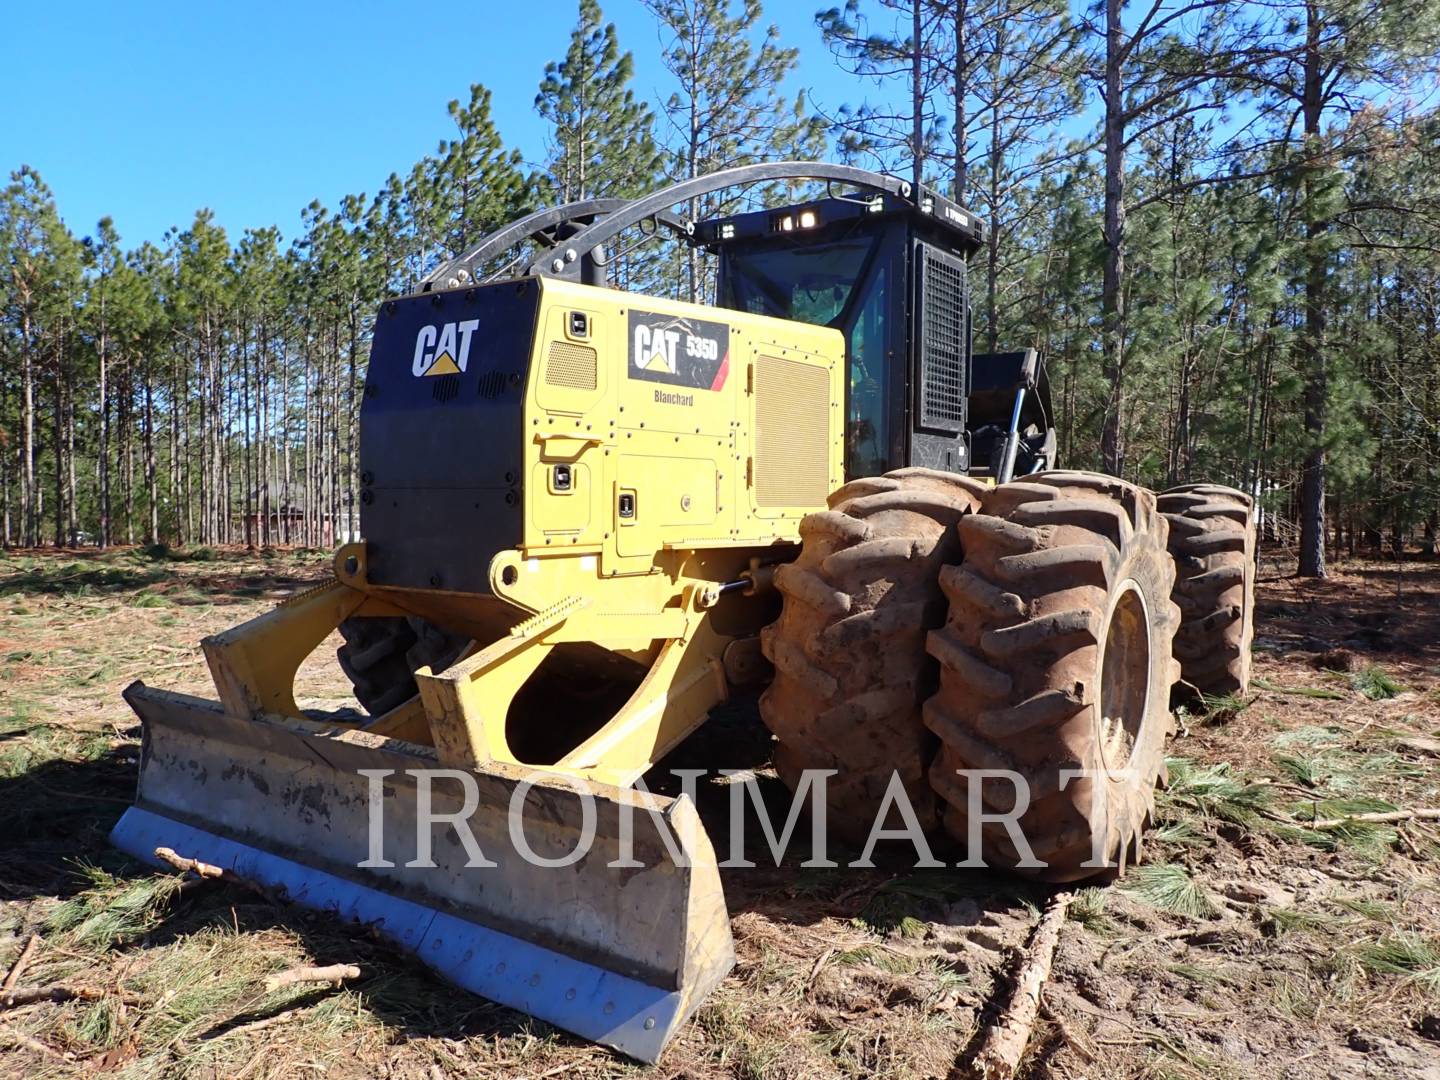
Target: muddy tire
[[1212, 539], [380, 657], [848, 648], [1056, 656]]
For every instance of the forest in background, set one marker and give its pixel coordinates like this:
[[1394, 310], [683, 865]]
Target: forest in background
[[1218, 221]]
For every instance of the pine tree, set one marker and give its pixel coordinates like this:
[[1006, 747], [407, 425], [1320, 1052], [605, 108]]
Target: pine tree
[[908, 50], [133, 319], [602, 141], [1015, 82], [203, 289], [1155, 70], [727, 108], [476, 184], [1004, 69], [41, 286], [107, 258]]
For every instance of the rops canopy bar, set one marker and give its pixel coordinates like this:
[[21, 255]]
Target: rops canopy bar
[[543, 224], [592, 240]]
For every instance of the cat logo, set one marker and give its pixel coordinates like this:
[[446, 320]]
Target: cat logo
[[436, 349], [655, 349], [678, 350]]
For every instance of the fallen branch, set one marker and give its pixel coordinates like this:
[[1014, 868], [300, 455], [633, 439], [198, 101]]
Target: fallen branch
[[210, 872], [818, 966], [1125, 945], [335, 973], [19, 966], [191, 866], [1388, 817], [252, 1025], [29, 995], [44, 1050], [1072, 1040], [1410, 845], [1005, 1040]]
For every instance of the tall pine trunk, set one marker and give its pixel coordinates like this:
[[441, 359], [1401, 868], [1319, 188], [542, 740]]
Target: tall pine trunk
[[1112, 436], [1317, 376], [58, 443], [917, 99], [29, 497], [962, 93], [104, 450]]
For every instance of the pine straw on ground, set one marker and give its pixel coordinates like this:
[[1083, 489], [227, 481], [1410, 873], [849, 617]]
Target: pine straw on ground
[[1251, 943]]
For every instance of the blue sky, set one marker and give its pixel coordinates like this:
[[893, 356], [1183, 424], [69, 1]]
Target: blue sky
[[147, 110]]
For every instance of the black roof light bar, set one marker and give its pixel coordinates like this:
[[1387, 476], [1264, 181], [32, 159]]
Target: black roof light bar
[[945, 215]]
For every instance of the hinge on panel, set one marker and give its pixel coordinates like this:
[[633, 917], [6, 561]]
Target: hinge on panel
[[749, 378], [749, 472]]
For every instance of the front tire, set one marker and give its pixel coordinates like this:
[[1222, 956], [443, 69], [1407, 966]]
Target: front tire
[[1056, 656]]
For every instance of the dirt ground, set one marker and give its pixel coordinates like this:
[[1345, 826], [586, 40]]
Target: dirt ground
[[1249, 944]]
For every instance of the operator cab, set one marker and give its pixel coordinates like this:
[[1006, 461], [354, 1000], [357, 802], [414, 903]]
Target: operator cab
[[890, 274]]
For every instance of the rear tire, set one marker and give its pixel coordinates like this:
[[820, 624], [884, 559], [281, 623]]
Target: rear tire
[[1056, 656], [850, 664], [381, 655], [1212, 539]]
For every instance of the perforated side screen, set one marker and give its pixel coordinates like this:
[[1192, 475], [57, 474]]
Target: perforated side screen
[[792, 433], [943, 334], [572, 366]]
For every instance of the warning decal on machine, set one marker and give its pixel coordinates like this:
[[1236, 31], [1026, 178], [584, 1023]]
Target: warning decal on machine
[[679, 350]]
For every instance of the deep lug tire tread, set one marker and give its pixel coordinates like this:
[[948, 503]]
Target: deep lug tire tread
[[1019, 660], [1212, 540], [381, 655], [850, 665]]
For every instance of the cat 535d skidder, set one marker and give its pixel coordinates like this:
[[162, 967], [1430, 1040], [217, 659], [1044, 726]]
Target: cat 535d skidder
[[588, 514]]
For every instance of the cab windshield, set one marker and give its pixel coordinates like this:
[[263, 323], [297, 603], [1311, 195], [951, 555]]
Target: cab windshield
[[808, 284]]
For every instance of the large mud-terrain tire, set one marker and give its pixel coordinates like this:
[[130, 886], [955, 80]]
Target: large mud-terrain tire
[[848, 648], [1212, 539], [1055, 657], [381, 655]]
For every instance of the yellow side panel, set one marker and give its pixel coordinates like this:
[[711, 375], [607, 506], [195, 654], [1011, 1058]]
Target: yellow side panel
[[564, 512], [674, 501], [655, 426], [573, 377]]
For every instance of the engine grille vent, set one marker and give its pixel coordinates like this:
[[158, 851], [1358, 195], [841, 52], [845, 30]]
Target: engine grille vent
[[490, 384], [571, 366], [792, 433], [943, 376], [445, 387]]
